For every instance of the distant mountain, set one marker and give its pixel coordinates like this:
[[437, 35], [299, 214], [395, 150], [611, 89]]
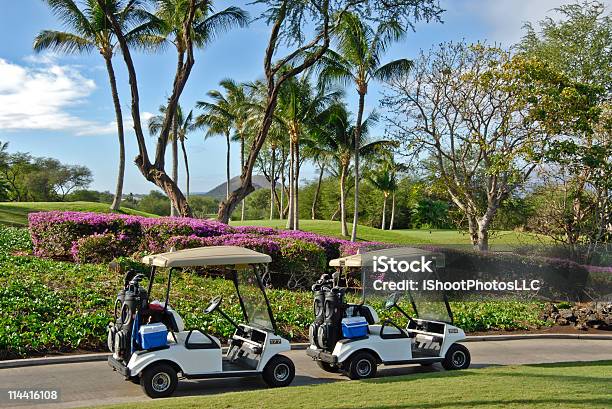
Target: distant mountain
[[259, 182]]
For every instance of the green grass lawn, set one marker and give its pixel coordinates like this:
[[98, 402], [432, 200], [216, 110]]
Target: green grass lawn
[[16, 213], [412, 236], [575, 385]]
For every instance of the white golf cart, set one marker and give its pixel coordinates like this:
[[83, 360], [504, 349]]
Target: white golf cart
[[428, 338], [151, 346]]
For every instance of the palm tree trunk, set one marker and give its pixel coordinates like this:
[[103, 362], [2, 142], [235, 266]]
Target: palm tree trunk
[[186, 167], [119, 118], [384, 213], [313, 210], [357, 147], [392, 211], [272, 183], [281, 210], [173, 210], [242, 167], [343, 202], [296, 188], [227, 166], [290, 210]]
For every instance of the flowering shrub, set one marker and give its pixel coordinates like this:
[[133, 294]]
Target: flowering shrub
[[53, 233], [300, 257], [157, 232], [249, 241], [331, 245], [260, 230], [101, 248], [350, 248]]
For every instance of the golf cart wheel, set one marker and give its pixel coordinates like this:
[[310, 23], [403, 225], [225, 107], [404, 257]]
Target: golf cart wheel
[[327, 367], [362, 366], [279, 371], [457, 357], [159, 380]]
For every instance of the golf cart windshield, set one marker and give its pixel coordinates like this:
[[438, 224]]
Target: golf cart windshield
[[426, 308], [253, 299], [401, 274]]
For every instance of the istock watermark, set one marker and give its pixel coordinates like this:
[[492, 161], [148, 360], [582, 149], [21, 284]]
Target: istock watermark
[[435, 273], [462, 285]]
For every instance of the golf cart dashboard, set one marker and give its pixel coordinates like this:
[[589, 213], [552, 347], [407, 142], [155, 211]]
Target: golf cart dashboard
[[427, 326], [250, 335]]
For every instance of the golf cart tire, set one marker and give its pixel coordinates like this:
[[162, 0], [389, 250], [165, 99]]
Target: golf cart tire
[[362, 365], [327, 367], [279, 371], [457, 357], [160, 373]]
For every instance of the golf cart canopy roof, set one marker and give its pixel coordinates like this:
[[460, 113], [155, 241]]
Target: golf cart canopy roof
[[207, 256], [357, 260]]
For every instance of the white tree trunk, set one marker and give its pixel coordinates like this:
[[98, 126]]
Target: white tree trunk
[[392, 211], [384, 213]]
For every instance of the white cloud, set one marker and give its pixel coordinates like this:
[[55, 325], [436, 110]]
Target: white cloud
[[38, 96], [111, 127], [505, 18]]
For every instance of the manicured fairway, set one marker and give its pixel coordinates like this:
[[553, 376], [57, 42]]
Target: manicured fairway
[[413, 236], [563, 385], [16, 213]]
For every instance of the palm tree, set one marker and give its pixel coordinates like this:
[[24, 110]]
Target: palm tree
[[218, 119], [243, 119], [321, 158], [207, 25], [299, 107], [339, 142], [357, 60], [384, 179], [185, 124], [88, 31]]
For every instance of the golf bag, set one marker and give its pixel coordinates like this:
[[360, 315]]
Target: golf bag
[[130, 301], [329, 309]]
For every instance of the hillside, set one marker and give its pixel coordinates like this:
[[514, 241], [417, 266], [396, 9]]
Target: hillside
[[219, 192], [16, 213]]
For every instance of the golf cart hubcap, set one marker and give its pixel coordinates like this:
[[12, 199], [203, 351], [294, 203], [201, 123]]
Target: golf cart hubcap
[[458, 358], [281, 372], [364, 367], [160, 382]]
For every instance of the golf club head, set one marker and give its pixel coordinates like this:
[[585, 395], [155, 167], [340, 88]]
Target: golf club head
[[336, 278]]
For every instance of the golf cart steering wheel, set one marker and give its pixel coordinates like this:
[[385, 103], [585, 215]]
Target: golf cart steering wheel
[[213, 305]]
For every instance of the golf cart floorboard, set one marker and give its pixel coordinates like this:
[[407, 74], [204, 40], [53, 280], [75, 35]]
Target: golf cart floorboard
[[419, 353], [414, 361], [235, 366]]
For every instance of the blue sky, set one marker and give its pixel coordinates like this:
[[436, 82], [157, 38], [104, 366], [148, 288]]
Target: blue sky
[[60, 106]]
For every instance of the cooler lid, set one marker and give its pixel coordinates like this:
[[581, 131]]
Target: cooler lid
[[152, 328]]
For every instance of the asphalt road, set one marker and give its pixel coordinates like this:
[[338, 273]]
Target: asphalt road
[[94, 383]]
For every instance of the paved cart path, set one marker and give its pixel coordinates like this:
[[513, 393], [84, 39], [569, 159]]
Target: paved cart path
[[94, 383]]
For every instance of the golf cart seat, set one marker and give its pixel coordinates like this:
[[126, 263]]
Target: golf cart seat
[[194, 339], [389, 330]]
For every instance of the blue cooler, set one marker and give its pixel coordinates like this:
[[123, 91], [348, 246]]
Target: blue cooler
[[354, 327], [153, 336]]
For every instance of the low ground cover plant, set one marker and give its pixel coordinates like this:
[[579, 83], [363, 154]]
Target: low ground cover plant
[[49, 306]]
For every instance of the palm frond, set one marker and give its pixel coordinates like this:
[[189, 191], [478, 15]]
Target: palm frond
[[218, 23], [63, 42], [393, 70], [71, 16]]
